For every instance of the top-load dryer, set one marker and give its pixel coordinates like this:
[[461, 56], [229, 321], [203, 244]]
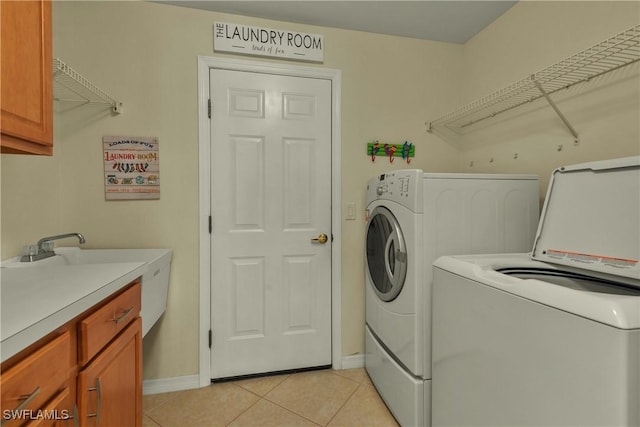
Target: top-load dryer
[[549, 338], [414, 217]]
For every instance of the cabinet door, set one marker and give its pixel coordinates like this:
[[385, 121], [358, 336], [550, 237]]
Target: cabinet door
[[26, 79], [110, 387], [39, 382]]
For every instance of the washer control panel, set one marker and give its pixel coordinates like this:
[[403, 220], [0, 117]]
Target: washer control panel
[[402, 186], [392, 184]]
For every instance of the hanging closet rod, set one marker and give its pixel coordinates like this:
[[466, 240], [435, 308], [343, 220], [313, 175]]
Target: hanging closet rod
[[616, 52], [72, 81]]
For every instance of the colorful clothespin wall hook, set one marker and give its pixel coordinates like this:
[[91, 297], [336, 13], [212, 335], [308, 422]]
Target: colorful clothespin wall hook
[[390, 150], [406, 151], [372, 149]]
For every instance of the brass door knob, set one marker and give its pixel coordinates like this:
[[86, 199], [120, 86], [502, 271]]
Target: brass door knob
[[322, 238]]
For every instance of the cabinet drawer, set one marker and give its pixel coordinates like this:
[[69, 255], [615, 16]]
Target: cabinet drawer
[[96, 330], [35, 380], [59, 412]]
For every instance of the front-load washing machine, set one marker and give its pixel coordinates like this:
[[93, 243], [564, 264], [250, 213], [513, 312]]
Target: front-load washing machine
[[412, 218], [549, 338]]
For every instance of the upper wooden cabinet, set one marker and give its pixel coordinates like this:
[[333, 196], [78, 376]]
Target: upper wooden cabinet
[[26, 97]]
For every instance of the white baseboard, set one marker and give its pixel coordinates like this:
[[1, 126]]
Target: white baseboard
[[353, 361], [165, 385], [188, 382]]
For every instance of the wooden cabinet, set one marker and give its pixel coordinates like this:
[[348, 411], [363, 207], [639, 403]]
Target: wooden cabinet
[[109, 388], [110, 355], [96, 330], [86, 373], [26, 97], [38, 389]]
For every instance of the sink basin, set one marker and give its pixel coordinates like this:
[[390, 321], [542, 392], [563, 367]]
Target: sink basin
[[155, 281]]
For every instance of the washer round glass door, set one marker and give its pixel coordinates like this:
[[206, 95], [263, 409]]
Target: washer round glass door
[[386, 254]]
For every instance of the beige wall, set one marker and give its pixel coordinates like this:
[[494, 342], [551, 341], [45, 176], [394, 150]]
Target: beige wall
[[145, 55], [529, 37]]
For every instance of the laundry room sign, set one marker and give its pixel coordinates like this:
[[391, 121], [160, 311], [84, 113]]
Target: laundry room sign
[[258, 41], [131, 168]]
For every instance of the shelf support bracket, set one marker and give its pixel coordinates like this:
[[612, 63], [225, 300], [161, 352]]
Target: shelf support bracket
[[75, 83], [556, 109]]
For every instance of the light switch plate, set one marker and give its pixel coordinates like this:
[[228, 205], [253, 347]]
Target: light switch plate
[[350, 211]]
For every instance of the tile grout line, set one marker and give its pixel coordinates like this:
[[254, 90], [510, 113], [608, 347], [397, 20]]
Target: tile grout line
[[359, 383], [291, 411], [260, 398], [345, 402], [249, 407], [146, 412], [287, 409], [152, 419]]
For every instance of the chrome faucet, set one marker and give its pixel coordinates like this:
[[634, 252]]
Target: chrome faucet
[[44, 248]]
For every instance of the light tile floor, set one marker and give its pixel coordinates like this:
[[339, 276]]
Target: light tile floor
[[317, 398]]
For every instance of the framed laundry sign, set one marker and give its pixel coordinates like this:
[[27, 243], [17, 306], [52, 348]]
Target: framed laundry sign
[[259, 41], [131, 168]]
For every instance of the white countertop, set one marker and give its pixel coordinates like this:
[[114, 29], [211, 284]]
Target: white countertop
[[37, 300]]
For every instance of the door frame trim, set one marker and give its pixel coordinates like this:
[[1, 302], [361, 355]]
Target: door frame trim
[[205, 63]]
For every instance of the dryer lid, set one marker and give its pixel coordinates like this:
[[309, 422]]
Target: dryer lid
[[591, 218]]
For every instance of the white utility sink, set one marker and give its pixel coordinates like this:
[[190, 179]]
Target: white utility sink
[[155, 281]]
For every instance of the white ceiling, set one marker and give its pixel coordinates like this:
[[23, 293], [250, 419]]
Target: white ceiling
[[451, 21]]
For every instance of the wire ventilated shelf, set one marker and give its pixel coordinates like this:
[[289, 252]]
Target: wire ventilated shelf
[[71, 86], [616, 52]]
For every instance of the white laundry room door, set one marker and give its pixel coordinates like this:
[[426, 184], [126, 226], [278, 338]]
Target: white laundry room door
[[271, 222]]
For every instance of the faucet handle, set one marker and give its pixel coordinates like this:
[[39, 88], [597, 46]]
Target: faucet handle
[[30, 250], [48, 245]]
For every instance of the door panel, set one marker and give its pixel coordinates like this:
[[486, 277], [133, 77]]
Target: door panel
[[298, 200], [248, 177], [297, 282], [247, 303], [270, 195]]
